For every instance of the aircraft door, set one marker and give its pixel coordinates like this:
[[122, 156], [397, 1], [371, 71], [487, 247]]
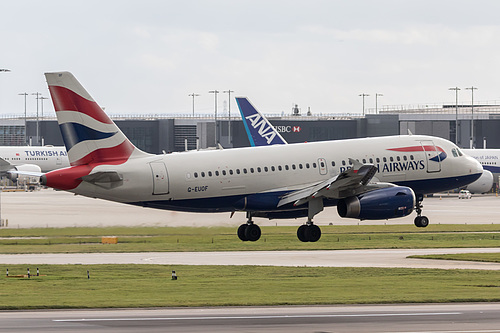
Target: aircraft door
[[160, 178], [432, 156], [322, 166]]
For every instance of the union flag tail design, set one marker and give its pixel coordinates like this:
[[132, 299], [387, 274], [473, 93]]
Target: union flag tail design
[[89, 135]]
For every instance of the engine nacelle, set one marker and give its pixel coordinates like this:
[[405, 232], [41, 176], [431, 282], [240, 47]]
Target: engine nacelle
[[23, 167], [483, 184], [382, 204]]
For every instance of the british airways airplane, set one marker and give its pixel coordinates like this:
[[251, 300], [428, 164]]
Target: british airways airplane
[[31, 159], [278, 181]]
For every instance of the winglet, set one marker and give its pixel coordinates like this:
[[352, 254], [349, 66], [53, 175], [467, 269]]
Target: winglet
[[259, 130]]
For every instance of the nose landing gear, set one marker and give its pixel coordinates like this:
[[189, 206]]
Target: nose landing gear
[[420, 221]]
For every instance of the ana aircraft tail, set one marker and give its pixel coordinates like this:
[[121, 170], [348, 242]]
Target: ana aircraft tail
[[259, 130], [90, 136]]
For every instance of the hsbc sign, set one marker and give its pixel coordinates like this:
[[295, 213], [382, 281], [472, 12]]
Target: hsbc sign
[[287, 129]]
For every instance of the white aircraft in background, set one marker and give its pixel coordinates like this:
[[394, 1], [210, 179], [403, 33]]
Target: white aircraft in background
[[278, 181], [14, 159], [490, 160]]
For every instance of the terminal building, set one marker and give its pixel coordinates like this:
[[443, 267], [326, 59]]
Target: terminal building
[[478, 127]]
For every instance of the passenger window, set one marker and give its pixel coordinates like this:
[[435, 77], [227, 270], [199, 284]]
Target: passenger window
[[404, 157], [398, 158], [279, 167], [273, 168], [286, 167], [411, 157], [266, 169], [307, 165], [314, 165], [371, 160], [203, 174], [259, 169], [364, 161], [196, 175], [378, 160], [391, 159], [251, 170], [293, 167], [322, 164], [244, 170], [238, 171], [300, 166], [385, 159], [224, 172], [217, 173], [230, 171], [333, 163], [343, 162], [210, 174]]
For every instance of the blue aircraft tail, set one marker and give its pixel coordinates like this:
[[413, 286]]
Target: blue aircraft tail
[[259, 130]]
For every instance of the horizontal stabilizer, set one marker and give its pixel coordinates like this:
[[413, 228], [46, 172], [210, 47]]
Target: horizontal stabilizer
[[103, 177]]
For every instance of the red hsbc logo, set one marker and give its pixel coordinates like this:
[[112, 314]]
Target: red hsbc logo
[[287, 129]]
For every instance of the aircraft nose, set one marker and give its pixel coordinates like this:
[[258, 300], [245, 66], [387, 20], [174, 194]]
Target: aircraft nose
[[475, 166]]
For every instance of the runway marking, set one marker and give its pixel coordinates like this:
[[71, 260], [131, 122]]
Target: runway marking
[[262, 317], [454, 331]]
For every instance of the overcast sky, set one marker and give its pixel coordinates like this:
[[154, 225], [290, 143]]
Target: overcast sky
[[146, 57]]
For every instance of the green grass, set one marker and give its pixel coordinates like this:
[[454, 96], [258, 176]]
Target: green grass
[[144, 239], [67, 286]]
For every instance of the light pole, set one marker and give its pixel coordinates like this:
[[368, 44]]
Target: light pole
[[215, 92], [25, 121], [364, 95], [376, 102], [193, 95], [37, 121], [472, 142], [456, 113], [41, 102], [229, 123]]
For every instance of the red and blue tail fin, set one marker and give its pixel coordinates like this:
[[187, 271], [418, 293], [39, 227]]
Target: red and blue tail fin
[[89, 135]]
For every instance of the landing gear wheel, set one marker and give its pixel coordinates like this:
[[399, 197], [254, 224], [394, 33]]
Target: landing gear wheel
[[308, 233], [241, 232], [301, 233], [313, 233], [252, 232], [421, 221]]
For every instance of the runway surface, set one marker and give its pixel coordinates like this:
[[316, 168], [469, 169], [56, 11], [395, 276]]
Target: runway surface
[[49, 208], [421, 318], [337, 258]]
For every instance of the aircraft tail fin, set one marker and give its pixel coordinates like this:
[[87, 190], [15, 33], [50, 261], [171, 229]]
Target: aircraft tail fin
[[259, 130], [89, 135]]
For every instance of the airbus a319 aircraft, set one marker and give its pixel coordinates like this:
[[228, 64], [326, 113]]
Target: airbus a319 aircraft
[[279, 181]]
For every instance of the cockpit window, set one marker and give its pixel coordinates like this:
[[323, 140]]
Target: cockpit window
[[454, 152], [459, 152]]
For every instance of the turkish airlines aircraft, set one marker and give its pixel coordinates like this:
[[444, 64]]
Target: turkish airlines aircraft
[[279, 181], [31, 159]]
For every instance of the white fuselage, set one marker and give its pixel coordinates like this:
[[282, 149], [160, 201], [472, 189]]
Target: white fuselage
[[489, 159], [223, 180], [46, 157]]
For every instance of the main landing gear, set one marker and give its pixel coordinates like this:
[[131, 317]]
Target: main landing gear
[[309, 232], [249, 231], [420, 221]]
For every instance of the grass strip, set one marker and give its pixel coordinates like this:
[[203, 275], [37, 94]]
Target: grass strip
[[137, 239], [109, 286]]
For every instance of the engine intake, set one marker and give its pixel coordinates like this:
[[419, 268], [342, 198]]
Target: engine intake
[[382, 204]]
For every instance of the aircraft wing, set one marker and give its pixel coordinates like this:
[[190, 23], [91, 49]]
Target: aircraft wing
[[4, 165], [351, 182]]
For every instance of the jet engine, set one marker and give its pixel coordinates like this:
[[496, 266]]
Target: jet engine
[[24, 167], [483, 184], [381, 204]]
